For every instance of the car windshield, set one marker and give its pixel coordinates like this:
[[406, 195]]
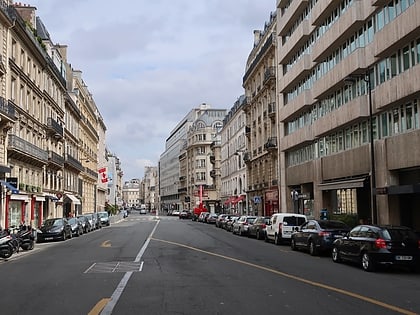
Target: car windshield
[[53, 222], [332, 225], [72, 220], [103, 214]]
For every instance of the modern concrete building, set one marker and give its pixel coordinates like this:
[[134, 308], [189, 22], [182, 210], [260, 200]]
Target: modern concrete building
[[232, 165], [261, 155], [173, 184], [329, 127]]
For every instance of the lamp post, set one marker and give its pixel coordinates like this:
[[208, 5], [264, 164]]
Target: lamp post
[[374, 210], [373, 202]]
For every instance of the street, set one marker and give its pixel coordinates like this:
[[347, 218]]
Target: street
[[162, 265]]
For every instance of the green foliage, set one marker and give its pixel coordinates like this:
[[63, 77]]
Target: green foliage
[[350, 219]]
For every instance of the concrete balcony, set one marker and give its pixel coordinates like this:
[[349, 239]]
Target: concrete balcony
[[322, 10], [355, 63], [303, 101], [404, 28], [289, 17], [350, 113], [299, 137], [294, 42], [350, 22], [392, 90], [295, 74]]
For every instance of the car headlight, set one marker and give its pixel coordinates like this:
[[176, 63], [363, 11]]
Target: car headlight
[[38, 231]]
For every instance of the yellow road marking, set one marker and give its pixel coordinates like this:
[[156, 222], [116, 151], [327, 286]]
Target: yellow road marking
[[106, 244], [286, 275], [98, 307]]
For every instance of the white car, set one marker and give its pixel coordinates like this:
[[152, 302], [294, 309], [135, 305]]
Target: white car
[[282, 225], [143, 211]]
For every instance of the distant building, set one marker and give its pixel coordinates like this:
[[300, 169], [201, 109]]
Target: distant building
[[131, 193]]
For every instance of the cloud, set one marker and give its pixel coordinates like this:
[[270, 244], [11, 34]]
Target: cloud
[[148, 63]]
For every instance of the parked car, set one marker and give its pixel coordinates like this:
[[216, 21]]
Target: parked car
[[95, 221], [184, 214], [317, 236], [85, 223], [76, 226], [241, 225], [228, 224], [211, 218], [143, 211], [202, 216], [89, 216], [372, 245], [220, 219], [282, 225], [54, 229], [104, 218], [256, 229]]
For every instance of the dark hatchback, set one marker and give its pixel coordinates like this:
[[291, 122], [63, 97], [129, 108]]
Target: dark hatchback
[[54, 229], [318, 236], [256, 229], [372, 246]]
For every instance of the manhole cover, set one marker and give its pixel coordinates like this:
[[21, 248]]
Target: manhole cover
[[115, 266]]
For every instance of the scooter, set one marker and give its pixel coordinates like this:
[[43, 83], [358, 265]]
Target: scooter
[[8, 244], [26, 238]]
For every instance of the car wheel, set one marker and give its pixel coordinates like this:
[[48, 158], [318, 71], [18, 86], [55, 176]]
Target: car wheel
[[277, 239], [367, 263], [293, 244], [336, 255], [312, 248], [266, 237]]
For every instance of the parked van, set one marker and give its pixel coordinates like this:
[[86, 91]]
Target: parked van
[[281, 226]]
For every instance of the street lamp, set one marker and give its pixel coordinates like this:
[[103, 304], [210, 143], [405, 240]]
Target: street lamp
[[373, 202]]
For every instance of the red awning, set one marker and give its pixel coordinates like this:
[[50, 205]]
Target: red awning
[[240, 198], [230, 199]]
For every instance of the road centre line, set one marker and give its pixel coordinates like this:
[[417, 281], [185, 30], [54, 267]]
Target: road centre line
[[290, 276], [109, 306]]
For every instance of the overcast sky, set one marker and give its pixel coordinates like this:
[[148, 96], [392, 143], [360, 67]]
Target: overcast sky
[[149, 62]]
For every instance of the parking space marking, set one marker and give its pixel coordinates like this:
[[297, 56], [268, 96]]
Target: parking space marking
[[299, 279]]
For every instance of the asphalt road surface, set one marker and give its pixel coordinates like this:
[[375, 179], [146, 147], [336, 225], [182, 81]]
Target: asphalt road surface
[[163, 265]]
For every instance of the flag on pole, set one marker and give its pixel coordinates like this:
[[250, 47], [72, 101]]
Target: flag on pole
[[102, 175]]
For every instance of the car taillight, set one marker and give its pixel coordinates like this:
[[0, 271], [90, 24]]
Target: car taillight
[[263, 226], [380, 243], [324, 234]]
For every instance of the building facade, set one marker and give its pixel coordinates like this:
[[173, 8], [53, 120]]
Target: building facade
[[131, 194], [232, 165], [261, 156], [351, 149]]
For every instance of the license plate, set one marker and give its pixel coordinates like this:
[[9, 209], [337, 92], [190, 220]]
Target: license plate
[[48, 238], [403, 257]]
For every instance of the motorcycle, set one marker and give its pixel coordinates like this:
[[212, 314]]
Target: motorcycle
[[12, 240], [26, 238]]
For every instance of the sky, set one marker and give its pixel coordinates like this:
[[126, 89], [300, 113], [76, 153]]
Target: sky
[[147, 63]]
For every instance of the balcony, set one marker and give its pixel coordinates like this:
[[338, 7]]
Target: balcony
[[247, 130], [213, 173], [271, 143], [272, 110], [247, 157], [54, 158], [212, 159], [269, 75], [7, 111], [74, 163], [26, 151], [54, 128]]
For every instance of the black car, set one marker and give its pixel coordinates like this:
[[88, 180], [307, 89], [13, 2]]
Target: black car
[[54, 229], [85, 223], [318, 236], [76, 226], [372, 245], [256, 229]]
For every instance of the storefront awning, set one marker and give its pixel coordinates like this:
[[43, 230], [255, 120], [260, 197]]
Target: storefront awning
[[12, 188], [230, 199], [343, 184], [25, 198], [240, 198], [73, 199]]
